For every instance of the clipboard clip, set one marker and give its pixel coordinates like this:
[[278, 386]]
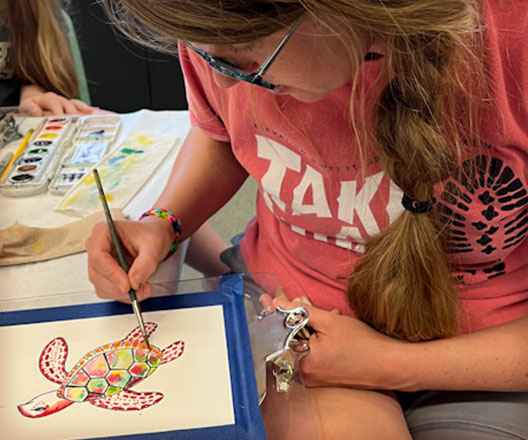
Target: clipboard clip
[[277, 339], [286, 361]]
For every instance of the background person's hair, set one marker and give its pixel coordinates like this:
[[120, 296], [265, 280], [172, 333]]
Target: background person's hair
[[403, 285], [39, 41]]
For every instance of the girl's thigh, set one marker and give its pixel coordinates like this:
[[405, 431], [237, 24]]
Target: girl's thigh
[[468, 415], [342, 413]]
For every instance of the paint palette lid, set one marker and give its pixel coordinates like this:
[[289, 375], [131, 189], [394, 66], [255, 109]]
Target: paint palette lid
[[96, 121], [94, 139]]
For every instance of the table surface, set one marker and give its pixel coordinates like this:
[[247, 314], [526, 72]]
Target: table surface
[[64, 279]]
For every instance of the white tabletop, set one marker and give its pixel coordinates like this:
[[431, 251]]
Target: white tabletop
[[66, 275]]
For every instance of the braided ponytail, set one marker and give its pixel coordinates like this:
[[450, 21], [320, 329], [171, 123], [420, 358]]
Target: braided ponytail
[[403, 285]]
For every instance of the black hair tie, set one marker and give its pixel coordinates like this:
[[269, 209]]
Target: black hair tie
[[417, 207]]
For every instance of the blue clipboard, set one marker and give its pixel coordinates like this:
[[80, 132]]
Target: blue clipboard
[[248, 421]]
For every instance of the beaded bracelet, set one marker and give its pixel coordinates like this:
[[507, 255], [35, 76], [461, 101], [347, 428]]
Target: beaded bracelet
[[172, 219]]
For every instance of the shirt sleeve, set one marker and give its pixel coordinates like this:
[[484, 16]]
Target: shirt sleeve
[[203, 95]]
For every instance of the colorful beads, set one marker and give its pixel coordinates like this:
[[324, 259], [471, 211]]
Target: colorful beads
[[172, 219]]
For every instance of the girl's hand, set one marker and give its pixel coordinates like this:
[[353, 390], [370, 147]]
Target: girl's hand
[[344, 351], [146, 242]]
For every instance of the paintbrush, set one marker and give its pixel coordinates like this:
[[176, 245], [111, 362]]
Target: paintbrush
[[120, 256]]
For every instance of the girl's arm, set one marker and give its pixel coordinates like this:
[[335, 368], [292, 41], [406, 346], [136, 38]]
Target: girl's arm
[[346, 352], [204, 177], [494, 359]]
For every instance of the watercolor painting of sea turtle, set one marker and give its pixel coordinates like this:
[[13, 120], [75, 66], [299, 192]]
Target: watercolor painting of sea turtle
[[103, 377]]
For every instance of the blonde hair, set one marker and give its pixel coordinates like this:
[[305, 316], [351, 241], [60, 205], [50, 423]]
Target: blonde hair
[[403, 284], [38, 36]]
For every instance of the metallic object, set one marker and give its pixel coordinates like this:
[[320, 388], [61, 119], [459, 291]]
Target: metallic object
[[8, 126], [276, 338]]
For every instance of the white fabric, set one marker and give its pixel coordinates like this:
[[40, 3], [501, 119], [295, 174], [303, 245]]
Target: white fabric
[[50, 279]]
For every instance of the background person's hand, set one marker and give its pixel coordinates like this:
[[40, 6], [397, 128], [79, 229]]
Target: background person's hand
[[36, 102]]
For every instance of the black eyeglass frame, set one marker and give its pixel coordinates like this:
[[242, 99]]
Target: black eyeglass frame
[[232, 71]]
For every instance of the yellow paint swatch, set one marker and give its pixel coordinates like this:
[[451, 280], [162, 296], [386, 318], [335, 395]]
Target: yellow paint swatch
[[48, 136]]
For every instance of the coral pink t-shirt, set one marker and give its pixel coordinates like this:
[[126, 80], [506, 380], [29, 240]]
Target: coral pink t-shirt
[[314, 213]]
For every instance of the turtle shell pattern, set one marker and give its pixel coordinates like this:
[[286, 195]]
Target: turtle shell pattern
[[109, 369]]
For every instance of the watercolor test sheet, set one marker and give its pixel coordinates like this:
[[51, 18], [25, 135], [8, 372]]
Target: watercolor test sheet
[[192, 384], [123, 173]]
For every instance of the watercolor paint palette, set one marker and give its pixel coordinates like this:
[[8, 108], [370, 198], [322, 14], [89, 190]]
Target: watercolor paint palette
[[91, 143], [34, 169]]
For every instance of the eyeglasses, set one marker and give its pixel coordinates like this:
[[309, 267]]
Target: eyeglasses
[[228, 69]]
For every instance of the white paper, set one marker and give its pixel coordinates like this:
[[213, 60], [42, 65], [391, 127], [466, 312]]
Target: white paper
[[196, 386]]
